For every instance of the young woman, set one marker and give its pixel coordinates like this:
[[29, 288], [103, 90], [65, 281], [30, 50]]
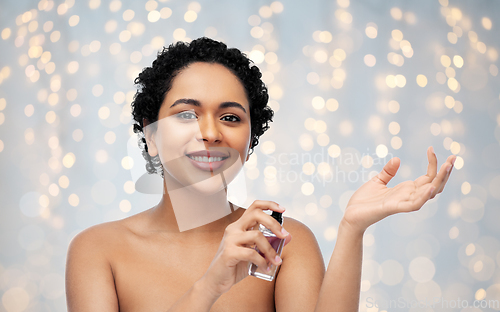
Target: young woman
[[203, 98]]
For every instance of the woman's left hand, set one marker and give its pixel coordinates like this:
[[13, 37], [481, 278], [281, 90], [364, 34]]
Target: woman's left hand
[[374, 201]]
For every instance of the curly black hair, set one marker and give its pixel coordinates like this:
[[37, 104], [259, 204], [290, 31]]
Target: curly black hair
[[154, 82]]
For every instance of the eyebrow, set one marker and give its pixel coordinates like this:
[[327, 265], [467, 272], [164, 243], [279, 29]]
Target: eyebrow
[[197, 103]]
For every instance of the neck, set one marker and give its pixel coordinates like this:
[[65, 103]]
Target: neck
[[190, 212]]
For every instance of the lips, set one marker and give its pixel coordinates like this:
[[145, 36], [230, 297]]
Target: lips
[[207, 160]]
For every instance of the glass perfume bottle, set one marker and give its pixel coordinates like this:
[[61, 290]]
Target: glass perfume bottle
[[276, 243]]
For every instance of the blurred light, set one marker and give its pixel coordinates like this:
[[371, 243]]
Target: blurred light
[[268, 147], [29, 110], [332, 105], [486, 23], [115, 5], [346, 127], [97, 90], [421, 80], [15, 299], [371, 30], [129, 187], [128, 15], [308, 168], [63, 181], [381, 151], [190, 16], [165, 13], [265, 11], [73, 20], [151, 5], [179, 34], [277, 7], [55, 36], [396, 142], [453, 233], [397, 35], [6, 32], [307, 188], [393, 106], [110, 137], [370, 60], [154, 16], [73, 200], [125, 36], [396, 13], [69, 160], [445, 60], [125, 205], [394, 128], [254, 20], [318, 102], [480, 294], [312, 78], [94, 4], [110, 26], [330, 233]]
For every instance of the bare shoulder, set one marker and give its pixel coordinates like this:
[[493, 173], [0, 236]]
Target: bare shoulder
[[90, 284], [99, 235], [303, 239], [297, 228]]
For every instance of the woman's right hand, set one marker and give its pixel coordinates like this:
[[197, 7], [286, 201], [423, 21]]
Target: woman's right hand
[[230, 264]]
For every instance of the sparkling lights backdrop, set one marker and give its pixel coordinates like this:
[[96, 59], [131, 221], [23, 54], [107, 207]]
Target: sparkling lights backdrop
[[352, 84]]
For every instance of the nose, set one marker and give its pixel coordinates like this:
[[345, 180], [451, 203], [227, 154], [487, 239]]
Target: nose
[[209, 130]]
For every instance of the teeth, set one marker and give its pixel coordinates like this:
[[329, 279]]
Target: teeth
[[205, 158]]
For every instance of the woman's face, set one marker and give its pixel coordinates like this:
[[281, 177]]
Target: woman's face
[[203, 128]]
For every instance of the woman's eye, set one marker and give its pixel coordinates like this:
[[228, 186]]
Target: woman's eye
[[232, 118], [186, 115]]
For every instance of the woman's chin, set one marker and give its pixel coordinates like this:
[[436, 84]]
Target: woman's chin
[[208, 186]]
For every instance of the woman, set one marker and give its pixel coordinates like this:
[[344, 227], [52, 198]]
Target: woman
[[147, 263]]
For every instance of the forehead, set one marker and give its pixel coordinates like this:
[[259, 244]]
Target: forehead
[[209, 82]]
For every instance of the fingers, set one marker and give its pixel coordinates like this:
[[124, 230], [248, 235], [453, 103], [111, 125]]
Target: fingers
[[448, 168], [238, 254], [432, 167], [264, 245], [255, 215], [388, 172]]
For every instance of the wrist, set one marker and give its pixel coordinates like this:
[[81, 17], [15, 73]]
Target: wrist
[[202, 288], [353, 230]]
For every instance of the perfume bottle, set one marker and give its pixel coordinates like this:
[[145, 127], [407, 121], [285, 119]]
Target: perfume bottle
[[276, 242]]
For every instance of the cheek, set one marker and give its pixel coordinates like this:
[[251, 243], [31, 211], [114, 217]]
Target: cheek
[[172, 139]]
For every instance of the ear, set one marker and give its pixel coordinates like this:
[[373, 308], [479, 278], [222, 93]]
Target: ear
[[149, 134]]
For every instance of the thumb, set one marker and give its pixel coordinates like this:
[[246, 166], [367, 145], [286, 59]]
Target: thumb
[[389, 170]]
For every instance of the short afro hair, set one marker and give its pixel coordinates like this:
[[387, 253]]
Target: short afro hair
[[154, 82]]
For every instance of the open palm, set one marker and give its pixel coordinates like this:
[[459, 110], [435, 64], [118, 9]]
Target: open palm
[[374, 201]]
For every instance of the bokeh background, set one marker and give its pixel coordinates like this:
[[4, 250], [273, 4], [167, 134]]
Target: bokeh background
[[352, 84]]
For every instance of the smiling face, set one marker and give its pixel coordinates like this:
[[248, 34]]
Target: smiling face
[[203, 127]]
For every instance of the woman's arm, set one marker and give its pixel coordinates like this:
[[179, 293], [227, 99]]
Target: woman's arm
[[300, 277], [341, 286], [372, 202], [90, 285]]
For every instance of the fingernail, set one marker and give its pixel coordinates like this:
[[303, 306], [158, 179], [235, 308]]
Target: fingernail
[[281, 207], [448, 168], [284, 232], [432, 190], [453, 161], [277, 259], [432, 149], [268, 269]]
